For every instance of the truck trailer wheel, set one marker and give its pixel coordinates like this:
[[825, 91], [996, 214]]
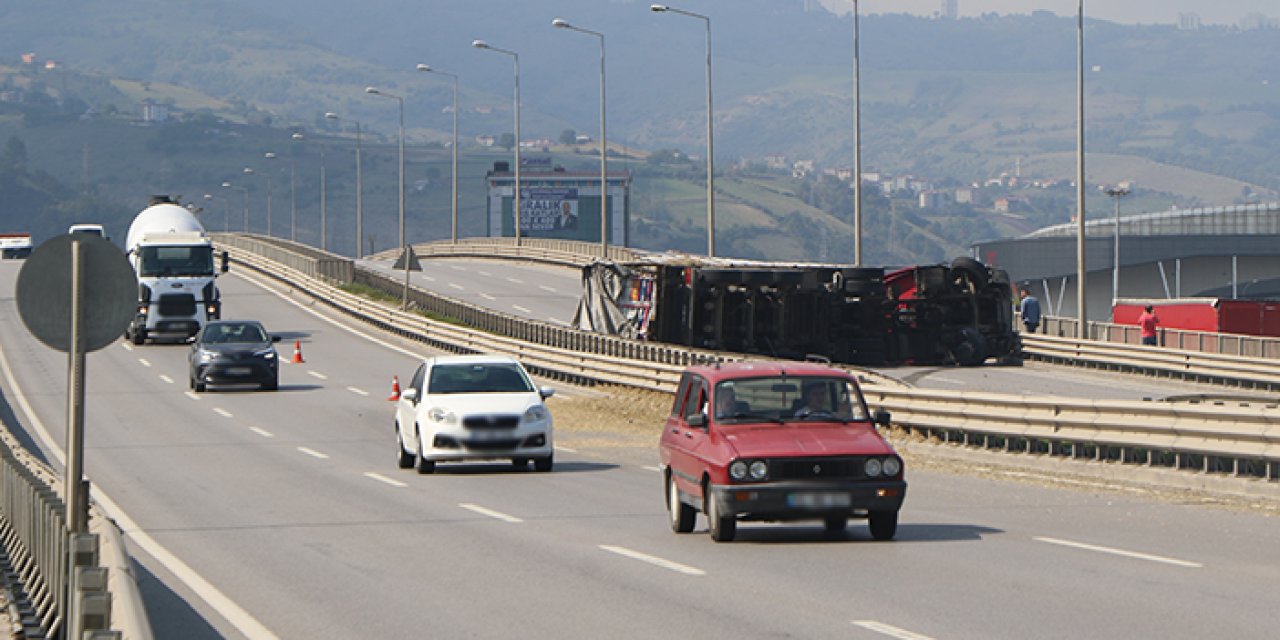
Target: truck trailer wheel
[[138, 336]]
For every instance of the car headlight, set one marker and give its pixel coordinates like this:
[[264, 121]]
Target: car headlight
[[207, 356], [537, 413], [738, 470], [873, 467], [269, 354], [759, 470], [892, 467], [442, 415]]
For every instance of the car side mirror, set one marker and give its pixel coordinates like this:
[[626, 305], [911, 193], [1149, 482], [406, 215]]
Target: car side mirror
[[409, 394], [698, 420], [226, 262], [881, 418], [275, 338], [190, 340], [546, 392]]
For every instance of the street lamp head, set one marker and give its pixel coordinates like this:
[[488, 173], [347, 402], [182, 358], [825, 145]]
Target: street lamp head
[[424, 67], [560, 23], [269, 155], [372, 90], [248, 170], [208, 196], [298, 136], [226, 184], [331, 116], [480, 44], [658, 8]]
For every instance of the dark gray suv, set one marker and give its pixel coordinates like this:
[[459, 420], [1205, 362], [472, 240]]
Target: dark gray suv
[[234, 352]]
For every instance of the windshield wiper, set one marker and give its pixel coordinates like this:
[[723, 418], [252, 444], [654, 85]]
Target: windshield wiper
[[757, 416]]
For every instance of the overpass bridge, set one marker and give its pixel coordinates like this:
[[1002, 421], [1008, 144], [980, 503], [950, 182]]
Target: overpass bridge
[[1209, 251]]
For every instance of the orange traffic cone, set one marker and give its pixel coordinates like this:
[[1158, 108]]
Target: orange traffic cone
[[395, 389], [297, 352]]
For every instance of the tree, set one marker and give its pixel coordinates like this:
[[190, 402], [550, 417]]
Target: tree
[[507, 141], [15, 153], [568, 136]]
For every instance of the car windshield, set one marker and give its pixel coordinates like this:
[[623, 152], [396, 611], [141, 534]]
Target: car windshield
[[486, 377], [176, 261], [230, 333], [788, 399]]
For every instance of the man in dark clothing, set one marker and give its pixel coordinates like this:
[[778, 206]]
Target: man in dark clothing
[[1030, 310]]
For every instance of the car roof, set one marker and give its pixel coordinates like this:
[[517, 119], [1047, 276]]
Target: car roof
[[760, 368], [484, 358]]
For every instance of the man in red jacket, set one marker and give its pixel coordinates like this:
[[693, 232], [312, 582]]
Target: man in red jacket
[[1147, 322]]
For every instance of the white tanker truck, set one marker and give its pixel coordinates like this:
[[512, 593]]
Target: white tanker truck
[[172, 257]]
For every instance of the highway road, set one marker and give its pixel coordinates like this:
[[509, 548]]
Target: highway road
[[282, 515]]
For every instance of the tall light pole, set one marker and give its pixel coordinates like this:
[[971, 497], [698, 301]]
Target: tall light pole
[[359, 189], [1081, 272], [324, 202], [293, 190], [248, 172], [711, 189], [604, 162], [857, 144], [269, 156], [1116, 193], [228, 185], [427, 68], [481, 44], [404, 247]]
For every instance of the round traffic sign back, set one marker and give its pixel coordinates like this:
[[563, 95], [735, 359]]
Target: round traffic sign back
[[109, 291]]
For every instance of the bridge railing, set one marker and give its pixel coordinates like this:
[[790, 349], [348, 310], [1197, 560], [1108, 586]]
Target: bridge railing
[[1240, 442]]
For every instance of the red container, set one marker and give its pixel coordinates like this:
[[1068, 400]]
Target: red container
[[1247, 317]]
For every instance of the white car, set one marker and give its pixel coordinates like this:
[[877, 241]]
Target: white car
[[481, 407]]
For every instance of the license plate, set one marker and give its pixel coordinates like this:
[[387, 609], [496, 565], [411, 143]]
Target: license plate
[[819, 500], [239, 371], [485, 436]]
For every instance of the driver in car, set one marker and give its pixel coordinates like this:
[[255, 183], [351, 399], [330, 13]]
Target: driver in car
[[815, 400]]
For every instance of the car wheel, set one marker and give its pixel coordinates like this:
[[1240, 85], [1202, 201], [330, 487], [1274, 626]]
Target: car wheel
[[682, 515], [199, 385], [543, 465], [884, 524], [721, 528], [139, 336], [520, 464], [404, 459], [835, 524], [421, 463], [272, 385]]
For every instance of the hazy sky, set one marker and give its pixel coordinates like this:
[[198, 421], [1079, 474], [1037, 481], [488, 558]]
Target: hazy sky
[[1127, 11]]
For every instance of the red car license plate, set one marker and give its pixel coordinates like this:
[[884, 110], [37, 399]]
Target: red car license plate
[[818, 500]]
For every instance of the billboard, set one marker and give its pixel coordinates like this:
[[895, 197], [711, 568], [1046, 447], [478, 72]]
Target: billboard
[[548, 209]]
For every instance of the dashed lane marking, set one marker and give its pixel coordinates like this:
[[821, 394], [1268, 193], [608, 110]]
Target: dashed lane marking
[[566, 449], [317, 374], [557, 321], [654, 560], [490, 513], [546, 288], [144, 362], [487, 296], [457, 286], [520, 308], [650, 467], [1122, 552], [484, 273], [515, 281], [313, 453], [359, 392], [383, 479], [166, 378], [192, 395], [262, 432], [890, 630], [222, 412]]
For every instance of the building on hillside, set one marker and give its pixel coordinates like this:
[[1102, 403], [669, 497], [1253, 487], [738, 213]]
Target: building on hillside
[[153, 111], [557, 204], [950, 9], [1188, 22], [486, 141], [776, 161], [963, 196], [801, 169]]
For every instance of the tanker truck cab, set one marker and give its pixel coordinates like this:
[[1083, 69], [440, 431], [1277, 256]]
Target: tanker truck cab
[[173, 260]]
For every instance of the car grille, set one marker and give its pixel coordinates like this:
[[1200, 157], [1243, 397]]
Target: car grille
[[177, 304], [491, 422], [504, 444], [847, 468]]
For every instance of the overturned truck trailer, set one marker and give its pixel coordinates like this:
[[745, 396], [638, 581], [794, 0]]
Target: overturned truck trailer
[[961, 313]]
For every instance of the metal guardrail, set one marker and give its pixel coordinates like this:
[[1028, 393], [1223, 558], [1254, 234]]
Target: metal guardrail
[[1239, 441], [571, 253]]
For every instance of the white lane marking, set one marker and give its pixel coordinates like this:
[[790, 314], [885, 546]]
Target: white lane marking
[[487, 296], [565, 449], [520, 308], [127, 346], [383, 479], [317, 374], [262, 432], [222, 412], [457, 268], [654, 560], [490, 512], [546, 288], [557, 321], [1121, 552], [192, 395], [515, 281], [428, 278], [359, 392], [457, 286], [890, 630], [484, 273], [218, 601], [947, 380], [313, 453], [166, 378], [652, 468], [144, 362]]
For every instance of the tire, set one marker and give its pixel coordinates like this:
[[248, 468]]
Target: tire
[[835, 524], [138, 337], [421, 463], [404, 459], [520, 464], [721, 528], [884, 524], [683, 516], [199, 386], [543, 465], [272, 385], [976, 271]]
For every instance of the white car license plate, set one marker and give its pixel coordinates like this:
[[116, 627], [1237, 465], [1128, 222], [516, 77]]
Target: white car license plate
[[485, 436], [819, 500], [239, 371]]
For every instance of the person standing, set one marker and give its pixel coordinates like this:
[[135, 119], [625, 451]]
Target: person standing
[[1147, 324], [1030, 310]]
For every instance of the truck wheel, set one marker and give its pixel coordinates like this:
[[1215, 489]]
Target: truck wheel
[[976, 271], [139, 336]]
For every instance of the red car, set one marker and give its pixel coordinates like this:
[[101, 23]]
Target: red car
[[777, 441]]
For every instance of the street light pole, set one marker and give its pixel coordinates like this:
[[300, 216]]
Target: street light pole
[[428, 69], [404, 247], [359, 188], [604, 148], [481, 44], [711, 202], [1116, 193], [293, 191], [269, 156], [324, 206], [247, 171], [857, 144], [1081, 272]]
